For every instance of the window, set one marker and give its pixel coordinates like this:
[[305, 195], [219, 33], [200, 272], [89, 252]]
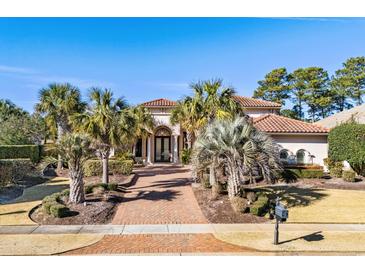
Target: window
[[284, 154], [162, 132], [301, 156]]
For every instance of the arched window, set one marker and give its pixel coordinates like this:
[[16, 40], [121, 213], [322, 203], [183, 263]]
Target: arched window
[[162, 132], [301, 156], [284, 154]]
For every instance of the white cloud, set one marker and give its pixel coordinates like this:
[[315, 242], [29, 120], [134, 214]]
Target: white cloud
[[16, 70], [36, 79]]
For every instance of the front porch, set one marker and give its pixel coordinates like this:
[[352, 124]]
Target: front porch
[[164, 145]]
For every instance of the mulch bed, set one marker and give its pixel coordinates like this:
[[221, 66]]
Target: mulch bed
[[98, 210], [220, 210], [14, 191]]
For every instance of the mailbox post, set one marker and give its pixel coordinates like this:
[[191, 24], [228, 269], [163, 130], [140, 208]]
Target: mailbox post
[[281, 214]]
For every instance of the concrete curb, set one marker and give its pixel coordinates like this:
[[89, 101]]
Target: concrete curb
[[172, 228]]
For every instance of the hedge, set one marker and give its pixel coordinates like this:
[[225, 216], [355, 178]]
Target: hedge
[[95, 167], [13, 170], [32, 152], [261, 206], [347, 143], [307, 173]]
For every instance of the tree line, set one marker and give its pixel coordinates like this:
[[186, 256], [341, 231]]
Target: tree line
[[313, 92]]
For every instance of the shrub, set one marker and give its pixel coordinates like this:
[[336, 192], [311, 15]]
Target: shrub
[[98, 189], [121, 167], [185, 156], [348, 175], [31, 152], [59, 211], [89, 189], [123, 155], [261, 206], [251, 196], [336, 169], [289, 176], [238, 204], [95, 167], [112, 187], [346, 143], [305, 173], [13, 170], [51, 204]]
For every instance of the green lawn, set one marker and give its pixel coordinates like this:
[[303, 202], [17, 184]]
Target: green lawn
[[16, 212]]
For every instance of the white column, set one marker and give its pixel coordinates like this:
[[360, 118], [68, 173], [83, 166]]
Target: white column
[[149, 150], [175, 157]]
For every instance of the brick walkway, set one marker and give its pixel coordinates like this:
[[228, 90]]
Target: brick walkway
[[159, 243], [161, 195]]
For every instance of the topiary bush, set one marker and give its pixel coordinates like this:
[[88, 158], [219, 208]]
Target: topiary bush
[[336, 169], [347, 143], [32, 152], [52, 205], [59, 211], [349, 176], [261, 206], [185, 156], [95, 167], [13, 170]]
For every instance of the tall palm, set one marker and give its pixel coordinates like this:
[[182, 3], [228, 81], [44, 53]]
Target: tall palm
[[107, 121], [211, 100], [189, 114], [143, 121], [76, 150], [240, 148], [58, 102]]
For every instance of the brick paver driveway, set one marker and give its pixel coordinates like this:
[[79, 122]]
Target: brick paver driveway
[[159, 243], [162, 194]]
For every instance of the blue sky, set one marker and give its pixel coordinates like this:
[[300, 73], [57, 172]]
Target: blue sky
[[148, 58]]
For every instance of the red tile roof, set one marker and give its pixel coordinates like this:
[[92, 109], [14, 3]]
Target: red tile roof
[[248, 102], [160, 103], [273, 123]]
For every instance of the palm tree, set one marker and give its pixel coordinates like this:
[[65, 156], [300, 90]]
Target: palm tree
[[59, 102], [189, 114], [108, 122], [76, 150], [143, 121], [210, 101], [240, 148]]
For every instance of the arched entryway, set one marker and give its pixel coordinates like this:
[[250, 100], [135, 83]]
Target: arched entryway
[[163, 145]]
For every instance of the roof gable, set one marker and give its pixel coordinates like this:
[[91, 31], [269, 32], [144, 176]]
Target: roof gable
[[273, 123]]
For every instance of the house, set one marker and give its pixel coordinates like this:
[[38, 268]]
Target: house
[[300, 142], [356, 114]]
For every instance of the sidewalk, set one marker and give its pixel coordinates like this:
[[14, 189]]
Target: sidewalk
[[173, 228]]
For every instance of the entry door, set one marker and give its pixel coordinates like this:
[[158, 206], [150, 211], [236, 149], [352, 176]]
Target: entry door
[[162, 149]]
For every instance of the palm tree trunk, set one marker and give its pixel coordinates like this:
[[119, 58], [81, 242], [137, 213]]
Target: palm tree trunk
[[77, 194], [233, 181], [105, 160], [60, 133], [189, 138], [212, 176]]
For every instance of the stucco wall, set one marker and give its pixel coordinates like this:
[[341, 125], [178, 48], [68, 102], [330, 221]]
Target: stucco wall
[[256, 112], [314, 144]]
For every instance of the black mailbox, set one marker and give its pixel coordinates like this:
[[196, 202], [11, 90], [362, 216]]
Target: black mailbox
[[281, 213]]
